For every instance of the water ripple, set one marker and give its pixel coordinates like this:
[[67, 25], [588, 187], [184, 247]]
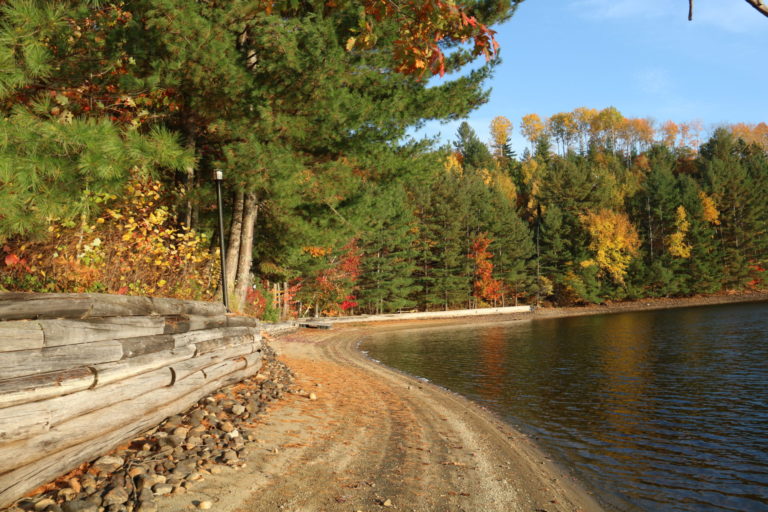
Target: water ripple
[[663, 411]]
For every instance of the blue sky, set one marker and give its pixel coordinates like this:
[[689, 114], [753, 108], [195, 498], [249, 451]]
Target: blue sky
[[642, 56]]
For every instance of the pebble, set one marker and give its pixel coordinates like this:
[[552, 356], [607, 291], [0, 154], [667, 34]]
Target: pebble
[[79, 506], [147, 506], [387, 503], [169, 457], [162, 489], [108, 463], [74, 483], [115, 496], [136, 471], [204, 505], [43, 504], [312, 396]]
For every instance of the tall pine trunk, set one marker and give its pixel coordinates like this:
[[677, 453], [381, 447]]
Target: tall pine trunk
[[250, 212], [235, 232]]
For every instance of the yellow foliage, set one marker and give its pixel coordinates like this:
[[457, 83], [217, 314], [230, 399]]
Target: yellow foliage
[[613, 239], [676, 241], [316, 252], [452, 164], [504, 184], [135, 247], [532, 127], [709, 209], [501, 127]]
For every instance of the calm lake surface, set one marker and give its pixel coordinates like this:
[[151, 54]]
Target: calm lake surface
[[657, 410]]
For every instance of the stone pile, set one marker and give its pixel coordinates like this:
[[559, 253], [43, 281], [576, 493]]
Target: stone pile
[[169, 458]]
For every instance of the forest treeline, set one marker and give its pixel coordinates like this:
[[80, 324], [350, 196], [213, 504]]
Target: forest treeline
[[113, 116]]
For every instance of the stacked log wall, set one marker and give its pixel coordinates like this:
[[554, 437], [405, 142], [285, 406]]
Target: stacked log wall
[[82, 373]]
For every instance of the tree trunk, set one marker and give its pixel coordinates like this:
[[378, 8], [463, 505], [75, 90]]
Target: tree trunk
[[250, 212], [235, 230]]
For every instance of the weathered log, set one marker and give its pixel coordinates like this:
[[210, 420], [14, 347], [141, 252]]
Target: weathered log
[[242, 321], [68, 332], [20, 335], [176, 324], [185, 368], [31, 388], [23, 479], [187, 307], [27, 420], [105, 421], [205, 347], [143, 345], [106, 373], [195, 337], [30, 306], [49, 359], [197, 322]]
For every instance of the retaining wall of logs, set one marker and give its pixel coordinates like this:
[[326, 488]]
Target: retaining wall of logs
[[82, 373]]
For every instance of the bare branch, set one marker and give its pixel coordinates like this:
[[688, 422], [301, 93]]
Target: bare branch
[[760, 5]]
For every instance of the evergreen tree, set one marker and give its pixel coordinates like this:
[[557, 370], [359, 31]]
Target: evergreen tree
[[387, 239]]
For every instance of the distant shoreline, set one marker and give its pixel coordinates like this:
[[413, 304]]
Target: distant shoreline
[[649, 304]]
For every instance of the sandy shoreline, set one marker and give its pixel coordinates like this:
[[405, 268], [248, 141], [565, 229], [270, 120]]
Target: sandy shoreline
[[376, 439]]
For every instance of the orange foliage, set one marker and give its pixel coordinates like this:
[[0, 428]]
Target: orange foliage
[[485, 288], [134, 247]]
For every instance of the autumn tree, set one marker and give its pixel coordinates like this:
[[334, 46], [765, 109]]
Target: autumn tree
[[501, 134], [485, 288]]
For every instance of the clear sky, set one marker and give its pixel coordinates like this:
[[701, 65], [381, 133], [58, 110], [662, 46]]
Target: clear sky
[[641, 56]]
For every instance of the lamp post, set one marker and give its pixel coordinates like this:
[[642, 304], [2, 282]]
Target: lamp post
[[218, 177]]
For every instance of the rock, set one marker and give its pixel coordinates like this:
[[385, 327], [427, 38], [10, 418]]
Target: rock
[[226, 426], [136, 471], [233, 434], [215, 470], [196, 431], [181, 432], [53, 508], [115, 496], [387, 503], [95, 499], [75, 484], [67, 494], [108, 463], [312, 396], [229, 456], [186, 467], [162, 489], [147, 506], [87, 481], [196, 416], [238, 409], [43, 504], [204, 505], [146, 494], [79, 506]]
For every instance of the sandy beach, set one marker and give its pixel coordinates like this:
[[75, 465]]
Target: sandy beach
[[362, 437]]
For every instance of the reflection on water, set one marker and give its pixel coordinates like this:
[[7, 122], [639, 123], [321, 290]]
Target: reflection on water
[[668, 410]]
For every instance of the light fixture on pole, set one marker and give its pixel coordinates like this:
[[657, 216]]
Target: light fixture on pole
[[218, 177]]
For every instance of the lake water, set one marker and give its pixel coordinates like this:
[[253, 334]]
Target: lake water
[[657, 410]]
